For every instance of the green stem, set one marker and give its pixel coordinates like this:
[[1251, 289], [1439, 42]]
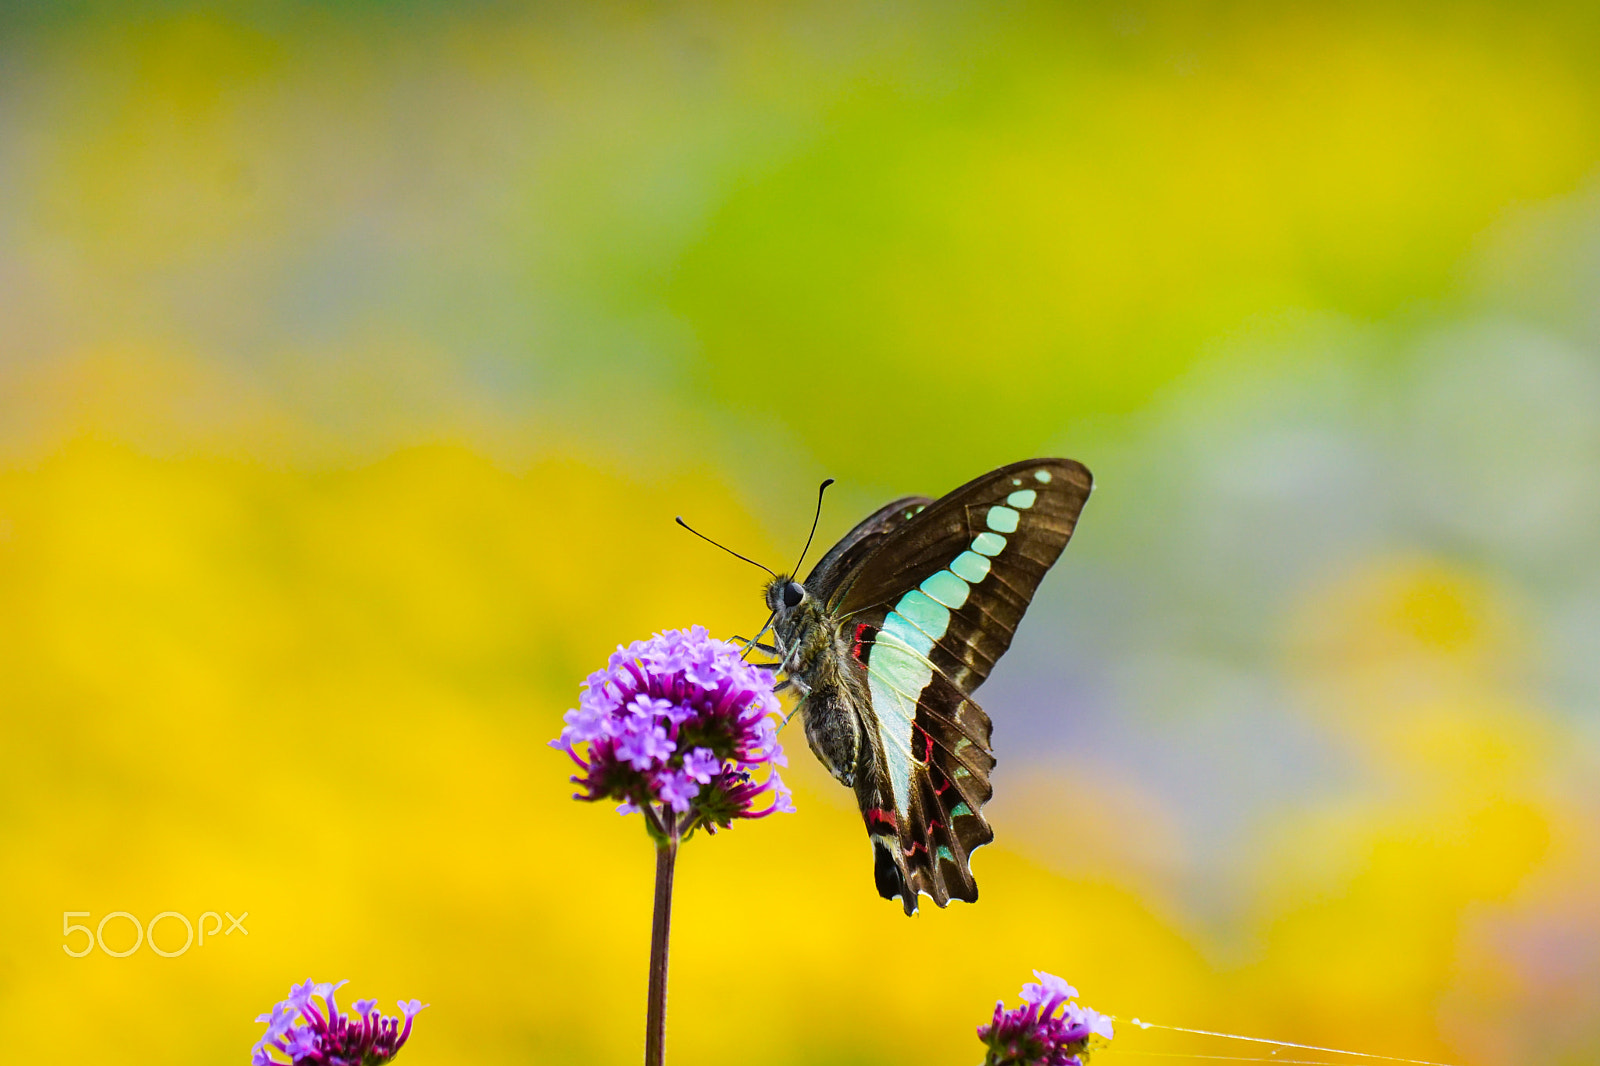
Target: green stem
[[655, 1028]]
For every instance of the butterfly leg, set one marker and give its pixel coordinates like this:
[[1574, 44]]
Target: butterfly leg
[[790, 678], [751, 643], [756, 644], [792, 683], [775, 666]]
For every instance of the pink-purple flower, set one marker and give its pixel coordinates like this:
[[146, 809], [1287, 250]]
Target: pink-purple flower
[[679, 723], [307, 1028], [1035, 1035]]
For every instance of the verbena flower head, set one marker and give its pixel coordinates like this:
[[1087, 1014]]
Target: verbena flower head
[[679, 723], [1035, 1035], [308, 1028]]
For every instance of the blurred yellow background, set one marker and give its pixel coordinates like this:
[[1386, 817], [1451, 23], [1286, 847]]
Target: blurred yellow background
[[355, 358]]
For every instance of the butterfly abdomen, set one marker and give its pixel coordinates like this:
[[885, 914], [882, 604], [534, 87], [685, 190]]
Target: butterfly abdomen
[[833, 732], [834, 689]]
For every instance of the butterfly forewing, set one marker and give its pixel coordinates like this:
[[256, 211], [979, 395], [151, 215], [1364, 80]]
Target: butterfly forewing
[[963, 570], [844, 558]]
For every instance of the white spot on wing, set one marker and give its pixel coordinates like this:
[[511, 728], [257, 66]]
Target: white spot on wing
[[1002, 519], [947, 588], [970, 567], [988, 544]]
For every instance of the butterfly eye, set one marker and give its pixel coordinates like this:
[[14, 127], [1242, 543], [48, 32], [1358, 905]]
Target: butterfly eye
[[793, 593]]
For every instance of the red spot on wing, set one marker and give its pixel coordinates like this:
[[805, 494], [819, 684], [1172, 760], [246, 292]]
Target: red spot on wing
[[883, 817], [864, 630]]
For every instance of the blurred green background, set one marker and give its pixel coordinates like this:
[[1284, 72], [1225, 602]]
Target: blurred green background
[[355, 358]]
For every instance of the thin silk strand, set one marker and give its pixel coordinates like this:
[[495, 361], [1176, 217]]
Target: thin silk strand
[[1286, 1043], [1224, 1058]]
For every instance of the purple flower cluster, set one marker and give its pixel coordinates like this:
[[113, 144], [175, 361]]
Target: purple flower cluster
[[1034, 1035], [311, 1033], [678, 722]]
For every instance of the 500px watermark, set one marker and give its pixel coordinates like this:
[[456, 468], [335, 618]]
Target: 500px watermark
[[145, 933]]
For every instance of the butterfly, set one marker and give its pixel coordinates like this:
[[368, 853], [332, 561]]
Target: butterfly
[[888, 637]]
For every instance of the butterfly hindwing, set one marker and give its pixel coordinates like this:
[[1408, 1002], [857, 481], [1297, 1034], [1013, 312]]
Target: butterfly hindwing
[[923, 845]]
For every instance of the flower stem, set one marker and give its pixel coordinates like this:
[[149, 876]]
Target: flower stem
[[655, 1028]]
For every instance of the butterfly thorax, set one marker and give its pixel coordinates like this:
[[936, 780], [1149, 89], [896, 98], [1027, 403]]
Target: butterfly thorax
[[832, 685]]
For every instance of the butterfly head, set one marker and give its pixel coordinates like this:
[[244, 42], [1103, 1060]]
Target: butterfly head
[[784, 594]]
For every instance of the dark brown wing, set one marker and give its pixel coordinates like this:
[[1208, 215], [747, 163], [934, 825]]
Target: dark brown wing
[[846, 556], [926, 847], [929, 610], [941, 543]]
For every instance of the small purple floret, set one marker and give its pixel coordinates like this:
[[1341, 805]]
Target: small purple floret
[[643, 744], [702, 765], [676, 789], [1034, 1035], [1049, 986], [679, 723], [303, 1032]]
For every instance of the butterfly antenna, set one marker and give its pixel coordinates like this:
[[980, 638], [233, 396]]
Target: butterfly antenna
[[724, 547], [814, 520]]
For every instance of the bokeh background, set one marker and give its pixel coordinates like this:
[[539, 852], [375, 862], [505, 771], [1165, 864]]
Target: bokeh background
[[355, 358]]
